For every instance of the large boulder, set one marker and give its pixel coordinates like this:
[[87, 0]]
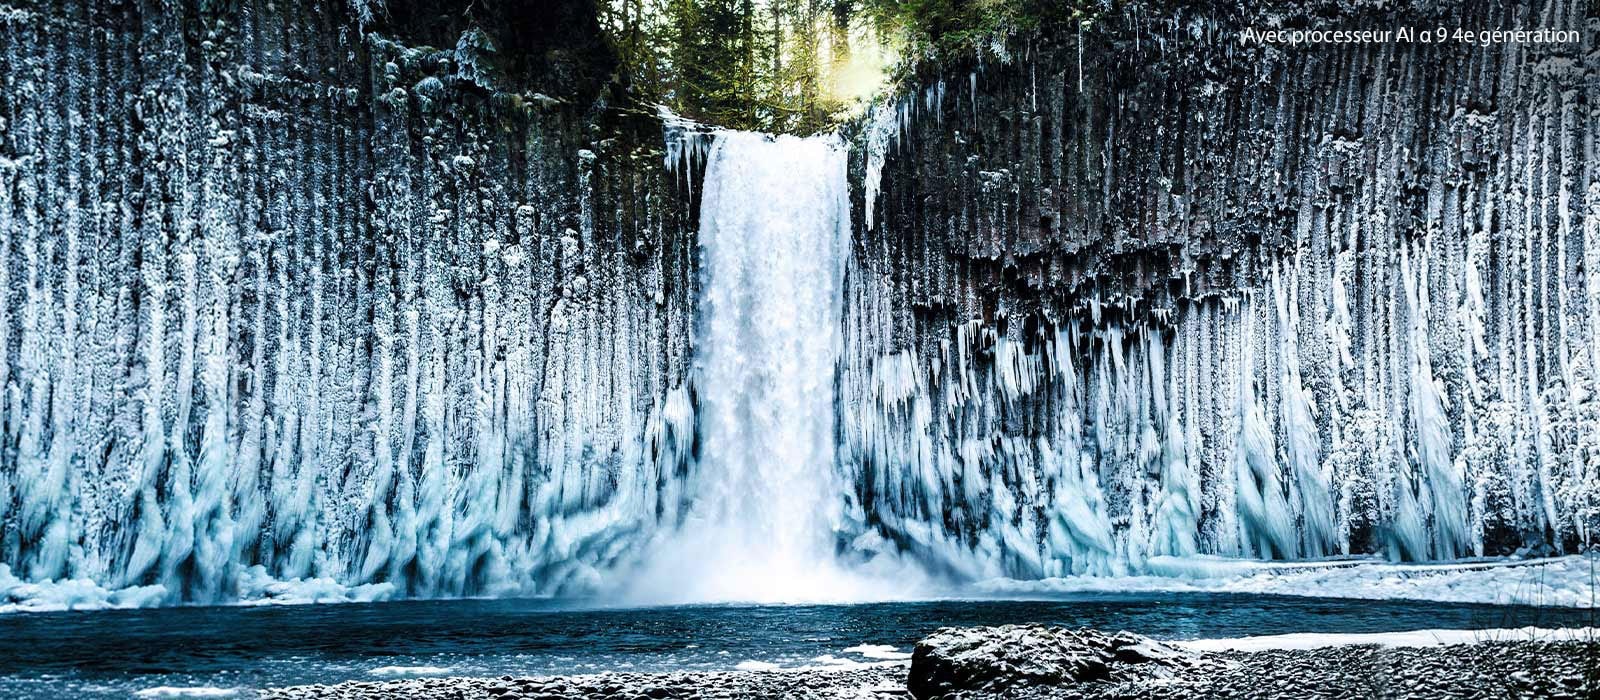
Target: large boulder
[[995, 658]]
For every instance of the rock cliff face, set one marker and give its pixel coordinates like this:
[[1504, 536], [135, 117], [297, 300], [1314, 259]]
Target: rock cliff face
[[286, 293], [1161, 292], [281, 288]]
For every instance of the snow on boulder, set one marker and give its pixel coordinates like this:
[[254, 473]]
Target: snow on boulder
[[995, 658]]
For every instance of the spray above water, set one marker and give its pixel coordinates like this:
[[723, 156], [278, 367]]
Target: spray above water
[[774, 233]]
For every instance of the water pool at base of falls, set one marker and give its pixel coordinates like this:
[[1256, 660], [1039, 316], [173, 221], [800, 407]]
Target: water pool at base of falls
[[232, 650]]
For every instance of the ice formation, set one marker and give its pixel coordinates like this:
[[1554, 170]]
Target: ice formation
[[1094, 447], [1096, 324], [1568, 581], [267, 336], [288, 318]]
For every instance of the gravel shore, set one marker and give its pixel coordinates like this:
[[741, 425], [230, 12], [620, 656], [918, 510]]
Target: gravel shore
[[1517, 669], [870, 683], [1482, 670]]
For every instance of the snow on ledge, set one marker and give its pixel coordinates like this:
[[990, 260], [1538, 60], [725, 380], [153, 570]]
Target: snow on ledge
[[1416, 638]]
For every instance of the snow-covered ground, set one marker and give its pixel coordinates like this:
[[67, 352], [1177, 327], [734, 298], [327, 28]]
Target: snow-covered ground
[[1571, 581], [1416, 638]]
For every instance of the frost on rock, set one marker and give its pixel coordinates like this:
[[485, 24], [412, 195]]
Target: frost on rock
[[284, 318], [1094, 326], [263, 338], [1011, 658], [1091, 447]]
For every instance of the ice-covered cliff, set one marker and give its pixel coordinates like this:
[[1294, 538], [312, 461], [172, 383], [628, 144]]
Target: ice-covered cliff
[[281, 290], [287, 295], [1149, 290]]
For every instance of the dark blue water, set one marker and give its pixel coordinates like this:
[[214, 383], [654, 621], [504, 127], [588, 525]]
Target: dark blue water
[[115, 653]]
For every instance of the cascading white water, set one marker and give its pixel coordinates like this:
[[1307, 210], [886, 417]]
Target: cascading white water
[[774, 225], [774, 232]]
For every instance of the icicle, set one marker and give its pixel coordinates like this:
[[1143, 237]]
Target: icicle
[[883, 131]]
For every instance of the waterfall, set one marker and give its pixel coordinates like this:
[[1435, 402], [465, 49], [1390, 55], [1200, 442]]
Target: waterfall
[[774, 232], [774, 225]]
